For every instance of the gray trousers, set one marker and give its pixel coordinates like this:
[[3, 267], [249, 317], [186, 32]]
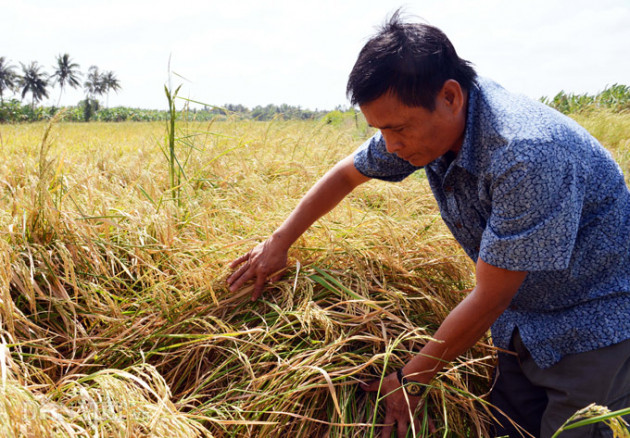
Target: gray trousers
[[541, 400]]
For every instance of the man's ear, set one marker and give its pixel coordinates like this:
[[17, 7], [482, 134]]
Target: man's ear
[[453, 95]]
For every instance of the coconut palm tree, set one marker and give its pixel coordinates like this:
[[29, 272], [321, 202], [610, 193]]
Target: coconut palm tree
[[93, 84], [66, 73], [8, 77], [93, 87], [34, 81], [110, 82]]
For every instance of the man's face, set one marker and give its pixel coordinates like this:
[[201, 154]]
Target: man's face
[[416, 134]]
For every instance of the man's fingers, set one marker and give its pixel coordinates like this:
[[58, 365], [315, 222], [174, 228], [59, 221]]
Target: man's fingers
[[417, 426], [243, 275], [399, 409], [259, 287], [259, 264], [277, 277], [431, 424], [240, 277], [387, 431], [389, 424], [239, 260], [403, 426], [423, 423]]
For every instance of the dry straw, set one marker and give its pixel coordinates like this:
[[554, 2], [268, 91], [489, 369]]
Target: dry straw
[[116, 319]]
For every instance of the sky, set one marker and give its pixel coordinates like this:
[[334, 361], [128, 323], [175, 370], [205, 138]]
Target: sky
[[259, 52]]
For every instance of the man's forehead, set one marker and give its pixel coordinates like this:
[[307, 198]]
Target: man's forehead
[[386, 112]]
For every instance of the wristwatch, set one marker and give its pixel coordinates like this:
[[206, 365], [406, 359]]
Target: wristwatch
[[412, 388]]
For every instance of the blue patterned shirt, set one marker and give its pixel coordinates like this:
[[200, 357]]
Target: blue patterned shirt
[[531, 190]]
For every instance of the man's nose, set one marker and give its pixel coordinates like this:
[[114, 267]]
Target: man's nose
[[392, 143]]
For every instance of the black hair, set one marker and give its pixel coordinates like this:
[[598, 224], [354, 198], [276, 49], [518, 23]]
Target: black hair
[[412, 60]]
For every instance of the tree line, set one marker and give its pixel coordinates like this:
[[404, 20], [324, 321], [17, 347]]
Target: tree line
[[14, 112], [267, 112], [34, 80]]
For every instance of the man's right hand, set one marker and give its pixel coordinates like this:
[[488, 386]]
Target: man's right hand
[[268, 260], [265, 263]]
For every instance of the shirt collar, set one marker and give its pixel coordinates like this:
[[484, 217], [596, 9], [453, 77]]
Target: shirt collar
[[468, 154]]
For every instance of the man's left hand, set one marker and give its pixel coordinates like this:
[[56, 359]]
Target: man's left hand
[[400, 408]]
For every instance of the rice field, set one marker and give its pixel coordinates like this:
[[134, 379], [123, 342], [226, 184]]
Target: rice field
[[116, 320]]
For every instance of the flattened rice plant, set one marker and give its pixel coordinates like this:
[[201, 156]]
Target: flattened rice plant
[[118, 321]]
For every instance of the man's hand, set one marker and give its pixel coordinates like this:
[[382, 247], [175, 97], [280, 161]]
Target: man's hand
[[265, 262], [269, 259], [400, 408]]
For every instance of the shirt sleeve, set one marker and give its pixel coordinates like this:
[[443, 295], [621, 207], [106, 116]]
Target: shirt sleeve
[[537, 196], [373, 161]]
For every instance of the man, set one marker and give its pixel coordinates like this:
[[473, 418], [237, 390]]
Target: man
[[533, 199]]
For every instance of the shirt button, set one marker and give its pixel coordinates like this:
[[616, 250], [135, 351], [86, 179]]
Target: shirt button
[[458, 225], [448, 189]]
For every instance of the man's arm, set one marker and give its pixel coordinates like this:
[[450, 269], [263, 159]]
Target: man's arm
[[459, 331], [270, 256], [468, 321]]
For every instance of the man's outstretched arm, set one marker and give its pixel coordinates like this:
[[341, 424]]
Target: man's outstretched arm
[[468, 322], [270, 256]]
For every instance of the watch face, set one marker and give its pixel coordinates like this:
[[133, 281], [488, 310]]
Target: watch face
[[414, 388]]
